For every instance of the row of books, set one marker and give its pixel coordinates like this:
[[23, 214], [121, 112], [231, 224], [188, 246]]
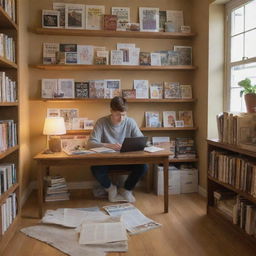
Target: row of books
[[7, 47], [8, 212], [56, 189], [7, 177], [10, 7], [8, 90], [125, 54], [237, 129], [93, 17], [233, 170], [179, 148], [8, 134], [109, 88], [185, 119], [241, 211]]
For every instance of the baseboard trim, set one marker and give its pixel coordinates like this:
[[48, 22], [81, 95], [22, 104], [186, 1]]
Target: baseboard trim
[[202, 191]]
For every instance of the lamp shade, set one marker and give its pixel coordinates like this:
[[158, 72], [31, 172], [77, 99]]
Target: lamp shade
[[54, 126]]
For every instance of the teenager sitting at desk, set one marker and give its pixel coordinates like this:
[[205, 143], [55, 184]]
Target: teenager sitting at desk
[[110, 131]]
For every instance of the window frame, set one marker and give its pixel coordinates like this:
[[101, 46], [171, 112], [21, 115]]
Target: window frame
[[233, 4]]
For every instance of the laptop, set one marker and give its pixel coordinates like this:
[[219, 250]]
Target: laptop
[[134, 144]]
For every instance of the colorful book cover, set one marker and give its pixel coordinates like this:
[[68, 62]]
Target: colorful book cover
[[81, 90], [187, 117], [156, 91], [129, 93], [169, 118], [110, 22], [145, 58], [96, 89], [171, 90]]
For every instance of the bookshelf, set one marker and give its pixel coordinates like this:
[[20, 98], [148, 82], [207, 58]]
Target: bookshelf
[[10, 111], [214, 183]]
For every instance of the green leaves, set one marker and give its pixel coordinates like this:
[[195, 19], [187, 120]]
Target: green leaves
[[248, 87]]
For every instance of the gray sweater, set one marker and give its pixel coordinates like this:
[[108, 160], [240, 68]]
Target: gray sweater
[[105, 132]]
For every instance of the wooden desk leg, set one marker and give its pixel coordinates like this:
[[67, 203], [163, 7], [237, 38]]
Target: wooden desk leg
[[40, 183], [166, 184]]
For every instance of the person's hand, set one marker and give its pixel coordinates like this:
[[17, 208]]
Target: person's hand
[[115, 146]]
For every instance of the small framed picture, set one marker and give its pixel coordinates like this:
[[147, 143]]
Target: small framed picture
[[50, 19], [149, 19], [179, 123]]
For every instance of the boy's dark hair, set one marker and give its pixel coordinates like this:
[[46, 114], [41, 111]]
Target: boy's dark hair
[[118, 104]]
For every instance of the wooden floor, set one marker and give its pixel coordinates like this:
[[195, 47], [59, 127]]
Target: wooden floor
[[186, 230]]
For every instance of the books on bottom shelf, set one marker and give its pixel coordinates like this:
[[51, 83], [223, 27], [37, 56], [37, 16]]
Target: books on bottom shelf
[[239, 210], [56, 189], [185, 148], [8, 212]]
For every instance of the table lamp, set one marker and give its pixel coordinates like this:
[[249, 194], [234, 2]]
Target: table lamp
[[54, 126]]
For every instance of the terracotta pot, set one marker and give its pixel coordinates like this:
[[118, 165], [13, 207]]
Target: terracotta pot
[[250, 101]]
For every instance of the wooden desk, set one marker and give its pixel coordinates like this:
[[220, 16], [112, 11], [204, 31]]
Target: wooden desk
[[44, 161]]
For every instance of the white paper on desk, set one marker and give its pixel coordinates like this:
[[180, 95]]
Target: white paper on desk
[[101, 233], [131, 216], [102, 150], [152, 149]]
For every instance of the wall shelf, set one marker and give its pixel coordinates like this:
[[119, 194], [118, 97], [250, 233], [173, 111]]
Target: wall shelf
[[9, 104], [106, 33], [8, 152], [5, 21], [128, 100], [111, 67], [4, 63], [6, 194]]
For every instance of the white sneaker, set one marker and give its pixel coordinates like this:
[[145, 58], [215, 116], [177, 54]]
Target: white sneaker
[[112, 193], [127, 194]]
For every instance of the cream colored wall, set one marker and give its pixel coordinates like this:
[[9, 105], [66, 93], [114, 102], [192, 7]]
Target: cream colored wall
[[24, 115], [96, 110], [196, 14]]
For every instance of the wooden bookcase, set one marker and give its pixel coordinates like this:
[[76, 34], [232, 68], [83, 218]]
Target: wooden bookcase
[[214, 184], [10, 111]]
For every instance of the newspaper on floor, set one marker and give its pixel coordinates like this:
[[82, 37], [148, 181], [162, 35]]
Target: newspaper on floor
[[72, 218], [103, 232], [134, 221]]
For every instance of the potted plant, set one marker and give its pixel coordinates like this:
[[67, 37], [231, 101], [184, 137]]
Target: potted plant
[[249, 92]]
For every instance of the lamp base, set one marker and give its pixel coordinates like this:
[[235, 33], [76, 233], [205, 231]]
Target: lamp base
[[54, 145]]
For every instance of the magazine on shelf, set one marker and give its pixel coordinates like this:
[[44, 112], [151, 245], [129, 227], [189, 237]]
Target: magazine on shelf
[[49, 52], [169, 118], [94, 16], [65, 89], [85, 54], [155, 59], [173, 58], [104, 55], [81, 90], [132, 26], [123, 17], [78, 123], [149, 19], [116, 57], [185, 54], [50, 19], [175, 17], [68, 114], [141, 87], [129, 93], [126, 49], [152, 119], [186, 91], [187, 117], [96, 89], [49, 88], [171, 90], [162, 20], [75, 16], [134, 56], [68, 48], [60, 58], [110, 22], [112, 88], [61, 7], [145, 59], [70, 57], [156, 91]]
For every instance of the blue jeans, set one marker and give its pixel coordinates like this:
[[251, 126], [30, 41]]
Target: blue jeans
[[137, 171]]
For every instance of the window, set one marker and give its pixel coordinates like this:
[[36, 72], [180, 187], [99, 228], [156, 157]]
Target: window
[[240, 50]]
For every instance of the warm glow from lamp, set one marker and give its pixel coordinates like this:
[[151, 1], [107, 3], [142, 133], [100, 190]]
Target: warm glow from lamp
[[54, 126]]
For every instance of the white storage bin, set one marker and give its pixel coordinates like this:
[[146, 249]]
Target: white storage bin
[[189, 180], [174, 180]]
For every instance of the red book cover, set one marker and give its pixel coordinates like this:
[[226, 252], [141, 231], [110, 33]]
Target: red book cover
[[110, 22]]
